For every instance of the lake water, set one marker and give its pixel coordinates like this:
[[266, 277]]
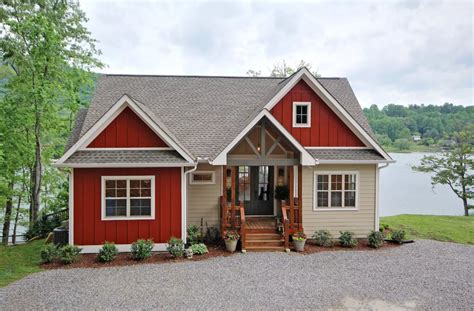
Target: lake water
[[403, 191]]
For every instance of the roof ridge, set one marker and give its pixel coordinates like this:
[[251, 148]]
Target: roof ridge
[[203, 76]]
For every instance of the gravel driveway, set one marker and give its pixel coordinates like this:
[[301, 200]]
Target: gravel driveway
[[423, 275]]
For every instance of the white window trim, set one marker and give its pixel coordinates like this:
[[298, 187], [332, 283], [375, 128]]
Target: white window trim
[[315, 191], [193, 182], [307, 104], [127, 178]]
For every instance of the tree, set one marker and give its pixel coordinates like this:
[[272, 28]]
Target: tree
[[402, 144], [50, 51], [454, 167], [282, 70]]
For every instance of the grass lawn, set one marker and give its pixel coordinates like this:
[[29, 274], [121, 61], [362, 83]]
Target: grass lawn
[[18, 261], [459, 229]]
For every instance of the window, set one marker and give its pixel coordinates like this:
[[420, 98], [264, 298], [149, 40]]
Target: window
[[128, 197], [335, 190], [202, 178], [301, 114], [244, 183]]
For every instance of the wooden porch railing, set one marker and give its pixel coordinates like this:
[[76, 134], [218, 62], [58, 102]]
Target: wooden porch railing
[[291, 220], [233, 218]]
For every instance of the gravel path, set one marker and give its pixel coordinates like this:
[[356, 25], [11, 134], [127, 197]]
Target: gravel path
[[423, 275]]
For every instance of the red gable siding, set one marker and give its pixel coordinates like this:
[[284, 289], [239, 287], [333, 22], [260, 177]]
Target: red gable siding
[[89, 229], [127, 131], [326, 127]]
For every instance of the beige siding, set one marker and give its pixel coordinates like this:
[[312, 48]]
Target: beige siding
[[360, 221], [203, 199]]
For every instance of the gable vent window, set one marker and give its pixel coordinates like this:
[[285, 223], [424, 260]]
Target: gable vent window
[[301, 114], [202, 178]]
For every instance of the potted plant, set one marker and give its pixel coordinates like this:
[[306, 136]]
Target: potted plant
[[231, 237], [299, 239]]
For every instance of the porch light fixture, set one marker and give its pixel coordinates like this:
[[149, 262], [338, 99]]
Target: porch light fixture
[[258, 148]]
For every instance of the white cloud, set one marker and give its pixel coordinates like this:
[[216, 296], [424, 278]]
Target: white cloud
[[392, 52]]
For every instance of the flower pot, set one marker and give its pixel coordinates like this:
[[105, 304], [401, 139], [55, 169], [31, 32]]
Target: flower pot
[[299, 245], [231, 245]]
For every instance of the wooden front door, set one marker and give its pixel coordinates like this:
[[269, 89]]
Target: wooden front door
[[255, 189]]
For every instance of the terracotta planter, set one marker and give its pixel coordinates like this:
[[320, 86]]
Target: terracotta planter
[[231, 245], [299, 245]]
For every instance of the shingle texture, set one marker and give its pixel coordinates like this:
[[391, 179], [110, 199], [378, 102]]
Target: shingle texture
[[203, 113], [345, 154], [125, 156]]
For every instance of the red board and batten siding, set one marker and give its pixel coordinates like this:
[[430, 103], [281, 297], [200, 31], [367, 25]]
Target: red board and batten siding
[[127, 130], [326, 130], [89, 229]]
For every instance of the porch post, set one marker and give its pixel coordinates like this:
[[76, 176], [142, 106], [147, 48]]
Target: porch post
[[292, 197], [224, 183], [300, 197], [232, 195]]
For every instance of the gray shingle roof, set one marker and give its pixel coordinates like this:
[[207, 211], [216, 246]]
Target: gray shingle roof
[[125, 156], [346, 154], [203, 113]]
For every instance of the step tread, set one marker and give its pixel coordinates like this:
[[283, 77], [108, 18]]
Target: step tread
[[265, 241], [263, 248]]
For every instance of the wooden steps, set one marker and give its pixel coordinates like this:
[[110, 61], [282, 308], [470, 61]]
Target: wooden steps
[[265, 241]]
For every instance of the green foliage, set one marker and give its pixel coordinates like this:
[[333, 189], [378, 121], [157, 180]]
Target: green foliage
[[69, 254], [42, 227], [282, 193], [231, 235], [176, 247], [375, 239], [141, 249], [194, 235], [49, 252], [323, 238], [108, 252], [401, 144], [199, 249], [398, 236], [299, 236], [346, 239]]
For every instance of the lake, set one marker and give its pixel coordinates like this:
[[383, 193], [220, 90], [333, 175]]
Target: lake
[[403, 191]]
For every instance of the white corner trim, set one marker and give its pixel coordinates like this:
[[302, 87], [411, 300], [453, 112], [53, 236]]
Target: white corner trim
[[109, 116], [306, 158], [71, 208], [334, 172], [304, 74], [123, 248], [198, 182], [302, 125], [184, 200]]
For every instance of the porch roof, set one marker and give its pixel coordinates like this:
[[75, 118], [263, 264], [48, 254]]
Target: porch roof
[[343, 154]]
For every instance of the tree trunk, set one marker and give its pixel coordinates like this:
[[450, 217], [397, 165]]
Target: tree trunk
[[466, 207], [37, 172], [17, 214], [8, 216]]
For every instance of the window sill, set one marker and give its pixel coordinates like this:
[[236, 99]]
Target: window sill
[[338, 209], [301, 125], [128, 218]]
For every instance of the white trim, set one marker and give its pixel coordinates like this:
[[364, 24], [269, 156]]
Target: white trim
[[108, 117], [335, 172], [129, 149], [337, 147], [198, 182], [354, 161], [71, 208], [122, 165], [92, 249], [128, 207], [377, 221], [308, 117], [304, 74], [184, 201], [306, 158]]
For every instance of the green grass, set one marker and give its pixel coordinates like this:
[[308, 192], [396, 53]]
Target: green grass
[[18, 261], [458, 229]]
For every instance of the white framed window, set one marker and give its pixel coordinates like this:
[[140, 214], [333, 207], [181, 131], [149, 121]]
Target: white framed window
[[203, 178], [301, 114], [128, 197], [336, 191]]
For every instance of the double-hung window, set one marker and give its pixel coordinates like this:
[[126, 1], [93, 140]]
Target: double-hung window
[[301, 114], [128, 197], [336, 190]]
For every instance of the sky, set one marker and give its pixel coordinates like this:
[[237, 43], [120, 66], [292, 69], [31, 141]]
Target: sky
[[402, 52]]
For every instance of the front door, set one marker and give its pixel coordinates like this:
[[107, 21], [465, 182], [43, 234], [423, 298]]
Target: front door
[[256, 189]]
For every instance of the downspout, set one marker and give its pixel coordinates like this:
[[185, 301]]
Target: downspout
[[184, 190], [377, 190]]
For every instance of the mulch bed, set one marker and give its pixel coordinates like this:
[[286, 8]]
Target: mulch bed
[[123, 259], [311, 248]]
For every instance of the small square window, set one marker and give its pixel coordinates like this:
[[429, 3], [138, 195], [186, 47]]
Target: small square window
[[202, 178], [301, 114]]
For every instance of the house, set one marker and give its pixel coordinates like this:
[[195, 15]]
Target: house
[[155, 154]]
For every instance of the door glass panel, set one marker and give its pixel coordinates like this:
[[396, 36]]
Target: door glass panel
[[244, 183], [263, 193]]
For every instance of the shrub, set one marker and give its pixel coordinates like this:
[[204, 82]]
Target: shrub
[[69, 254], [42, 227], [108, 252], [175, 247], [141, 249], [194, 236], [347, 239], [375, 239], [212, 235], [48, 253], [299, 236], [231, 235], [398, 236], [384, 227], [323, 238], [199, 249]]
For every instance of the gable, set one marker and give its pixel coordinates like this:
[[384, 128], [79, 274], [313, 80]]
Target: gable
[[327, 129], [127, 130]]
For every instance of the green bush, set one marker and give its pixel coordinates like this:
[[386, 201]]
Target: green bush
[[347, 239], [194, 234], [323, 238], [42, 227], [108, 252], [141, 249], [383, 227], [375, 239], [69, 254], [175, 247], [399, 236], [48, 253], [199, 249]]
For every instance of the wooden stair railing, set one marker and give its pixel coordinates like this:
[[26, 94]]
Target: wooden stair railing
[[286, 227], [291, 220], [243, 237]]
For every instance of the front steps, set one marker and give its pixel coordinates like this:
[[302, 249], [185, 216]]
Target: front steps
[[264, 241]]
